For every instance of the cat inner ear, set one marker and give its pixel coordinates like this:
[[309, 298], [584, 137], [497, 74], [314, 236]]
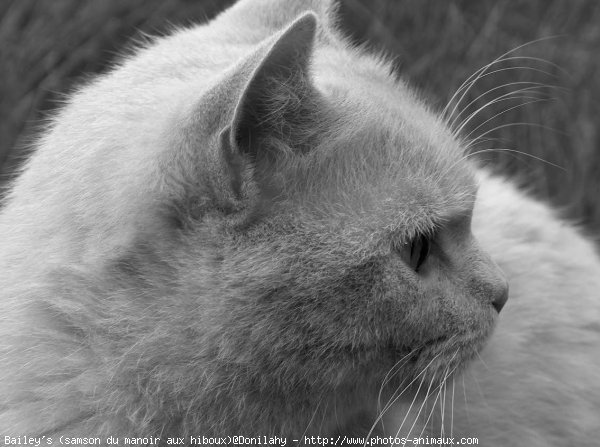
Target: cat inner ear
[[275, 115]]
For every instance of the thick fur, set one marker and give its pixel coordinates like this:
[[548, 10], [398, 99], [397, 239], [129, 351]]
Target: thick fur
[[215, 238]]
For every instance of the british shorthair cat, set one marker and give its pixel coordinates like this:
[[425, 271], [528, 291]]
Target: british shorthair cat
[[250, 227]]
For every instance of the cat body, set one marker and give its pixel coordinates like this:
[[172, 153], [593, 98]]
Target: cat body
[[244, 228]]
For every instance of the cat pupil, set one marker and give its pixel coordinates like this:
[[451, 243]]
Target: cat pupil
[[419, 250]]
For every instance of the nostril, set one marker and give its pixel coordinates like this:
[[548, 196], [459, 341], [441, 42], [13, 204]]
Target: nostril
[[500, 299]]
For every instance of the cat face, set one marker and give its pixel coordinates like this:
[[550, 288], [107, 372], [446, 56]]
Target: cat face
[[340, 216]]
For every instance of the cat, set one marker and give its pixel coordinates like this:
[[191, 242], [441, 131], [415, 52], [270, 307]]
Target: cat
[[250, 227]]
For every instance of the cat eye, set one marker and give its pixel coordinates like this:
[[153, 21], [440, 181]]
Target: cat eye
[[419, 251], [415, 252]]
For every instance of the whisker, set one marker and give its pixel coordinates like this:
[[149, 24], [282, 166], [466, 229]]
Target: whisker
[[411, 405], [446, 375], [500, 70], [312, 417], [437, 397], [481, 359], [541, 126], [323, 416], [533, 101], [533, 92], [443, 402], [396, 395], [452, 410], [427, 394], [465, 396], [472, 79], [438, 388], [532, 86], [389, 376], [504, 149], [448, 117], [443, 409], [481, 393]]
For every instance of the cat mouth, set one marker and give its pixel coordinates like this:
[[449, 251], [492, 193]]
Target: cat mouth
[[414, 352]]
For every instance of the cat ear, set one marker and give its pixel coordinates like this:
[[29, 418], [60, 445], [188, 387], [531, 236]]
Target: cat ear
[[275, 102]]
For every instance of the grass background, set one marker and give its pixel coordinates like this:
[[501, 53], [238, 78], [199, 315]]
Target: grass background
[[47, 46]]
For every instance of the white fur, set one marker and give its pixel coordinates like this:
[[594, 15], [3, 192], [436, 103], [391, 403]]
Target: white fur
[[77, 341]]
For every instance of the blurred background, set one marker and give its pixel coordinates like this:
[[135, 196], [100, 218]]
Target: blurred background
[[538, 110]]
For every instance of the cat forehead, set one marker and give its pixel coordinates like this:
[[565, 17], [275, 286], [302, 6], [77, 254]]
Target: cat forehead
[[400, 191], [384, 153]]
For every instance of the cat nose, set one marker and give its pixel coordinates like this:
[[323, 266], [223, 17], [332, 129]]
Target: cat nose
[[500, 297]]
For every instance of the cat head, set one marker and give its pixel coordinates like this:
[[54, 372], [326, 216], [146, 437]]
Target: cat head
[[278, 220], [339, 211]]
